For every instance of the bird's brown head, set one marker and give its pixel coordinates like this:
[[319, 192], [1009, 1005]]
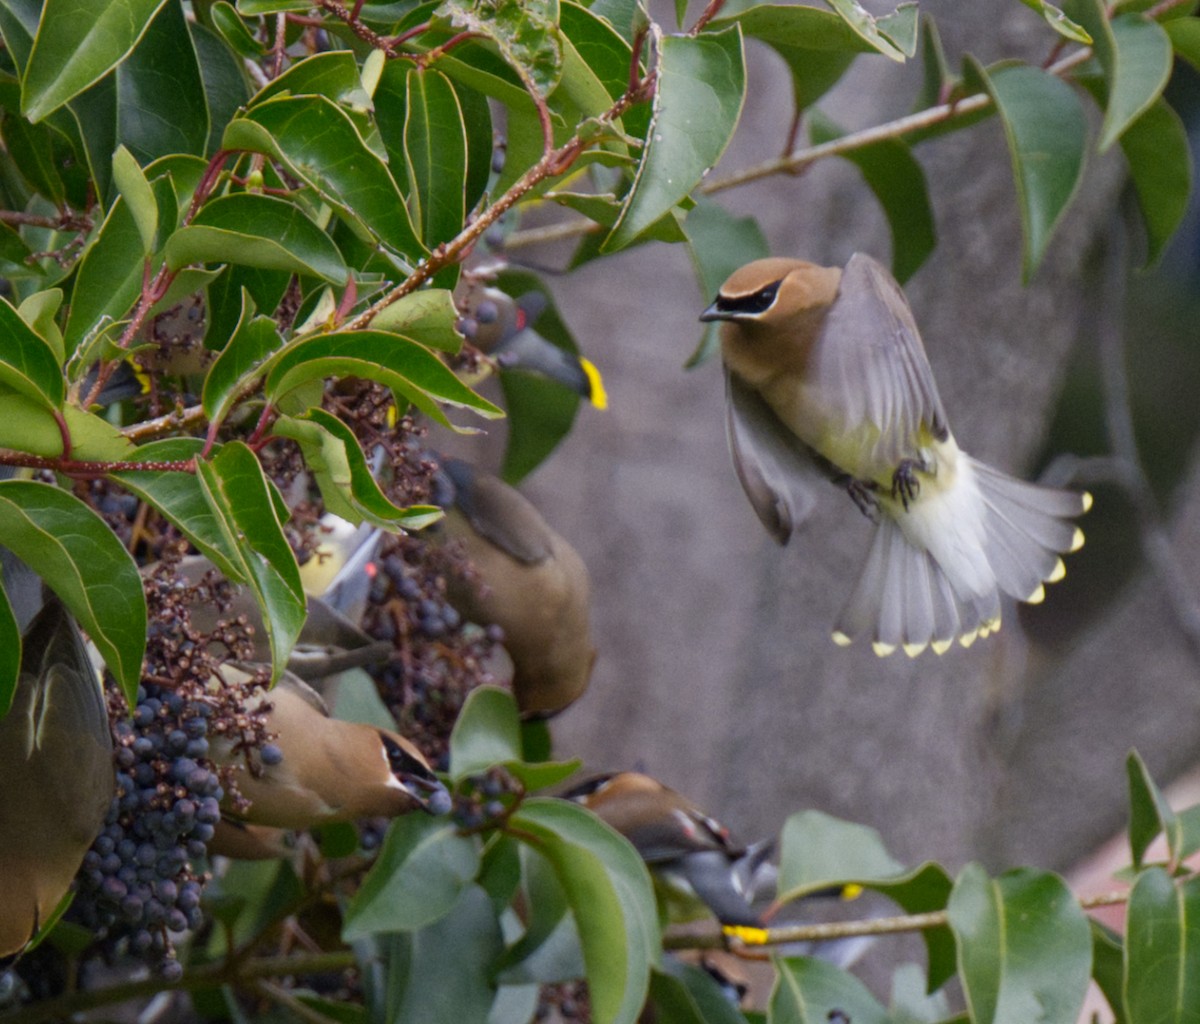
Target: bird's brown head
[[772, 290]]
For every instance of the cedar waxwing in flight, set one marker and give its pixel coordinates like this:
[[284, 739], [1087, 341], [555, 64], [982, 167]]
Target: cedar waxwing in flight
[[693, 856], [328, 644], [321, 769], [530, 582], [826, 377], [503, 329], [56, 774]]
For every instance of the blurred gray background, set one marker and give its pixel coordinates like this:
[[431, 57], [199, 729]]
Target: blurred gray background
[[716, 672]]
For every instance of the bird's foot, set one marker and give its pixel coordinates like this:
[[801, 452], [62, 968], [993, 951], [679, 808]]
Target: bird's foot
[[905, 485], [862, 493]]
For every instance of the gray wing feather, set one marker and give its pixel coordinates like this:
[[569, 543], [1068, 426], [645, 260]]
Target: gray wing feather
[[869, 362], [775, 469]]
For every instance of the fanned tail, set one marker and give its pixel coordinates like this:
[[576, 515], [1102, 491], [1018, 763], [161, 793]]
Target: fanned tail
[[934, 574]]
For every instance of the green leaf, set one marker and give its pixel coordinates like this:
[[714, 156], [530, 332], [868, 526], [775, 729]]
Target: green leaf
[[84, 563], [1058, 21], [28, 363], [420, 873], [1135, 54], [937, 79], [684, 994], [256, 231], [435, 143], [1162, 958], [609, 892], [1160, 167], [138, 195], [77, 43], [254, 339], [701, 87], [865, 26], [32, 150], [348, 487], [426, 316], [234, 31], [1024, 946], [915, 1000], [901, 27], [39, 311], [243, 504], [1185, 39], [486, 732], [320, 145], [10, 654], [180, 498], [1108, 967], [442, 973], [524, 31], [335, 75], [109, 278], [1047, 134], [813, 992], [898, 182], [818, 851], [160, 93], [225, 88], [1149, 812], [407, 368]]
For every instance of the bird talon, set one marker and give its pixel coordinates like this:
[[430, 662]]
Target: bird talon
[[905, 485], [862, 493]]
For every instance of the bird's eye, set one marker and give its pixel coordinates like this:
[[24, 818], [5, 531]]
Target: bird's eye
[[756, 302]]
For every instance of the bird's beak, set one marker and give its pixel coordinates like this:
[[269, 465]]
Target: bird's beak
[[429, 793], [714, 312]]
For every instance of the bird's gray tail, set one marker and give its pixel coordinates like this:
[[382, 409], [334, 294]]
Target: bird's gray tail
[[907, 598]]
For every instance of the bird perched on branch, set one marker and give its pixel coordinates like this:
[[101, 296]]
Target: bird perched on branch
[[322, 769], [56, 774], [826, 378], [529, 581], [691, 856]]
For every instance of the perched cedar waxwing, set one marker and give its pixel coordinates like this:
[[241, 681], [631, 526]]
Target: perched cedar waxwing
[[504, 330], [826, 376], [56, 774], [329, 642], [329, 770], [530, 582], [690, 853]]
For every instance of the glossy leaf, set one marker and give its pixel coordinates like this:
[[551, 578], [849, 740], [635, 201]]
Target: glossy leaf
[[84, 563], [320, 145], [348, 487], [79, 42], [442, 973], [1135, 54], [39, 311], [335, 75], [1160, 167], [256, 231], [160, 93], [817, 851], [225, 88], [1149, 812], [684, 994], [28, 363], [1058, 21], [407, 368], [866, 27], [610, 896], [435, 143], [426, 316], [701, 87], [718, 243], [1108, 966], [1047, 134], [240, 496], [813, 992], [234, 31], [486, 732], [139, 196], [109, 278], [898, 183], [31, 147], [420, 873], [254, 339], [179, 496], [900, 26], [1162, 956], [1024, 946]]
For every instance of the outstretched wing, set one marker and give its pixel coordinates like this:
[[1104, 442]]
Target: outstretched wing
[[776, 470], [869, 366]]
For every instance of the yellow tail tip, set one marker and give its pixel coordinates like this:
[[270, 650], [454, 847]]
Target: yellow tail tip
[[881, 649], [968, 638], [840, 638], [941, 646], [743, 933], [599, 397], [1058, 572], [912, 650], [1076, 541], [1085, 498], [1038, 596]]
